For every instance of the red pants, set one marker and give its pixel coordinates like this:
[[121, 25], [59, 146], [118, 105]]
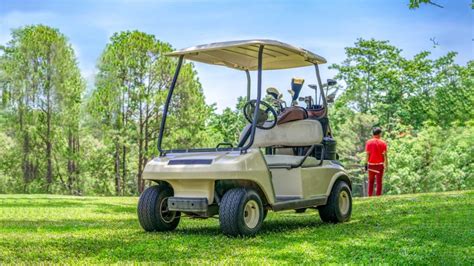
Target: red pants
[[375, 172]]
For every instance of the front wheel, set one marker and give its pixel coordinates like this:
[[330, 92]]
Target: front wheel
[[241, 212], [339, 206], [153, 212]]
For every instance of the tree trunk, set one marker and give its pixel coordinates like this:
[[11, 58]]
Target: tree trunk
[[77, 168], [26, 147], [124, 148], [118, 184], [69, 162], [73, 148], [49, 144], [147, 136], [140, 152], [49, 162], [124, 168], [28, 167]]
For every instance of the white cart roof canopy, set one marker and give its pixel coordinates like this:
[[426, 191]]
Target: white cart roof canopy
[[243, 55]]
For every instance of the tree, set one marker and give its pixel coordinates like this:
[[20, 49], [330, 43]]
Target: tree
[[381, 82], [371, 74], [416, 3], [132, 83], [421, 104], [432, 159], [189, 116], [230, 123], [41, 91]]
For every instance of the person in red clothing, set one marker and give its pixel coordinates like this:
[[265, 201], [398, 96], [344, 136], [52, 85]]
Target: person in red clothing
[[377, 161]]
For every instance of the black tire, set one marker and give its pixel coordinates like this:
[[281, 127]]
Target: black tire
[[152, 207], [331, 212], [233, 214]]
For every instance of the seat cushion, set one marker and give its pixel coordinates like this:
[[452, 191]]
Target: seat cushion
[[289, 160], [293, 134]]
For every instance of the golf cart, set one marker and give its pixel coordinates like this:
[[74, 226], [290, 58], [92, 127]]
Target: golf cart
[[277, 165]]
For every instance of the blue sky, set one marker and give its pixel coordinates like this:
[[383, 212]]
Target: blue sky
[[324, 27]]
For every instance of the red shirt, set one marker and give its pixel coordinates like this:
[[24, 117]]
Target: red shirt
[[376, 148]]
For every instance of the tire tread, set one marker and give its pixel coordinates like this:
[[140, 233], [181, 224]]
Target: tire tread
[[230, 212], [328, 212], [147, 216]]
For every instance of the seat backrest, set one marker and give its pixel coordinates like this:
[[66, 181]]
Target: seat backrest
[[292, 134]]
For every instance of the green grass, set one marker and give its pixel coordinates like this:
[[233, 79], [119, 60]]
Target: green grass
[[421, 229]]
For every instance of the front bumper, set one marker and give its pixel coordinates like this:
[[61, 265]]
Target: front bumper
[[187, 204]]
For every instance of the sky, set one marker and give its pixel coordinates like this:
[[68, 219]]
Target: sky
[[323, 27]]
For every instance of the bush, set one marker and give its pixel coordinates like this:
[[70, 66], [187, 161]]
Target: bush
[[10, 175], [434, 159]]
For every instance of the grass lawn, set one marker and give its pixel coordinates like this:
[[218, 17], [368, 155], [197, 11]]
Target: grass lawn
[[422, 229]]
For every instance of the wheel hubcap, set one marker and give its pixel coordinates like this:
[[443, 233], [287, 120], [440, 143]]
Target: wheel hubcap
[[344, 202], [167, 215], [251, 214]]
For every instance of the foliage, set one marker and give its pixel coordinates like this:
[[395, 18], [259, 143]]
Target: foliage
[[189, 116], [416, 3], [41, 91], [57, 140], [435, 159], [8, 165], [132, 84], [399, 90], [423, 106], [129, 87], [230, 123], [411, 229]]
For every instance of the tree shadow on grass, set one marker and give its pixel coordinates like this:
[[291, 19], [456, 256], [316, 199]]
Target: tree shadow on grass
[[99, 207], [49, 204], [115, 208], [64, 225], [278, 241], [407, 232]]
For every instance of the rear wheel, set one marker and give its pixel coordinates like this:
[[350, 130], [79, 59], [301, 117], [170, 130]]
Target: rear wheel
[[339, 206], [153, 212], [241, 212]]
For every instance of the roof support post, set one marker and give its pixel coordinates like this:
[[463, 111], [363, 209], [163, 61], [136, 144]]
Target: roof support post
[[257, 104], [321, 90], [168, 101], [248, 84], [325, 103]]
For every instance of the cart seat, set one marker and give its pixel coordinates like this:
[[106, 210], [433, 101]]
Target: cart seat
[[289, 161], [292, 134]]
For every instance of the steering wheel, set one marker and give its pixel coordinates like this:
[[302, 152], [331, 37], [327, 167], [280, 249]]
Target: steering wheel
[[266, 117]]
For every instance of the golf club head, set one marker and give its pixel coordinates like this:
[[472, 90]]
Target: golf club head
[[292, 93], [273, 92], [331, 82], [313, 86], [296, 86]]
